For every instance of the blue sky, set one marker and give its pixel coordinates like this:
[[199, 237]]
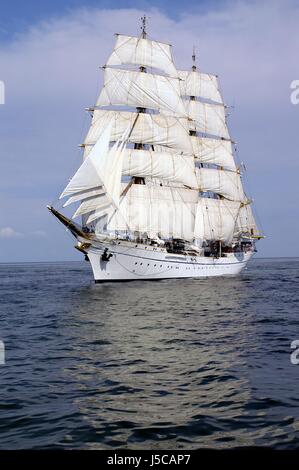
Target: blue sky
[[18, 15], [50, 53]]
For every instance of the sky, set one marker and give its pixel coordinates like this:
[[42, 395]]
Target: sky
[[50, 54]]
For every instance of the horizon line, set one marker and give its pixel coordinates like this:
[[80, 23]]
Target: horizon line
[[82, 260]]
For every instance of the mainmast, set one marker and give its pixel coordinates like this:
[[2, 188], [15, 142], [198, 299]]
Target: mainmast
[[140, 146], [194, 60], [192, 98], [144, 21]]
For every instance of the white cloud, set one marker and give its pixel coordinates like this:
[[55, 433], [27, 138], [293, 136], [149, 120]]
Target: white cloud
[[8, 232]]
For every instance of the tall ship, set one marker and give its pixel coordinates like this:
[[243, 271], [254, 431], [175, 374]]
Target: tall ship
[[159, 194]]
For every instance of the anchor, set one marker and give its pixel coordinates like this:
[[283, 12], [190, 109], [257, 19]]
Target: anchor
[[106, 255]]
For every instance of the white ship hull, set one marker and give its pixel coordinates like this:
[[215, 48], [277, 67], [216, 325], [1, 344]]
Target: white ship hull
[[131, 261]]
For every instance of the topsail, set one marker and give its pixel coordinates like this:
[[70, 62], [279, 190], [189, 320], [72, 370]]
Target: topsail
[[143, 52], [200, 85], [139, 89]]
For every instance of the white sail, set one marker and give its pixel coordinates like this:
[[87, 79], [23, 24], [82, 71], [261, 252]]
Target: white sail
[[164, 211], [225, 183], [208, 118], [152, 129], [216, 219], [84, 195], [145, 90], [246, 223], [97, 182], [210, 150], [86, 150], [98, 203], [216, 151], [111, 180], [99, 214], [199, 85], [130, 50], [164, 165], [94, 168]]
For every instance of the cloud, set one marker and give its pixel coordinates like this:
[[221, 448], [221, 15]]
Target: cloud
[[8, 232], [51, 73]]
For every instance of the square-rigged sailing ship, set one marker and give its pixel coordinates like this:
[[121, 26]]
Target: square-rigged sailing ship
[[159, 191]]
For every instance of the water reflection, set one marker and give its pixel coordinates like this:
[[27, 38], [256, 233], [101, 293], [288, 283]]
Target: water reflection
[[161, 361]]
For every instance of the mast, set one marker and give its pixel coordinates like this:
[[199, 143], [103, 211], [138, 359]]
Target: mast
[[192, 97], [221, 193], [140, 132], [164, 127], [194, 60], [137, 145], [144, 21]]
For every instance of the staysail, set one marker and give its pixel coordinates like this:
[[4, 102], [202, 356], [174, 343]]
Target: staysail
[[93, 169], [97, 182]]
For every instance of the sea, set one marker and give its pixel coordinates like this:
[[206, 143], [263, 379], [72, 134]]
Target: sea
[[173, 364]]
